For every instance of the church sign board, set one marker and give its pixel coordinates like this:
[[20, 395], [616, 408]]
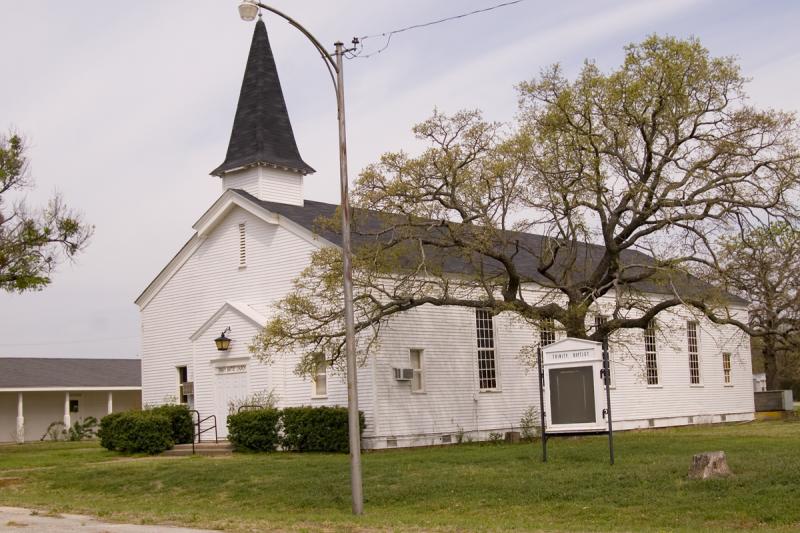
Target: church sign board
[[574, 391]]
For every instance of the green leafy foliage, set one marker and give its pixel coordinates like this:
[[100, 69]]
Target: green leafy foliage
[[628, 176], [316, 429], [136, 432], [32, 242], [180, 419], [83, 429], [255, 430]]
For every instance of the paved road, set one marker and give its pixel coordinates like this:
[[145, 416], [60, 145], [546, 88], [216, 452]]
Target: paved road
[[21, 520]]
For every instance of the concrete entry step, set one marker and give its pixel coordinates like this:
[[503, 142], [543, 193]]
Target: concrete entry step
[[222, 447]]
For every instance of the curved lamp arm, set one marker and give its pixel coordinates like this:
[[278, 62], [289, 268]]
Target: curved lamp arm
[[329, 63]]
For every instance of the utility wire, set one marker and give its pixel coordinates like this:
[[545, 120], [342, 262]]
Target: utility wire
[[358, 41]]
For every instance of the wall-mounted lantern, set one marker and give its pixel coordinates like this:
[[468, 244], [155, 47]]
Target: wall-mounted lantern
[[223, 342]]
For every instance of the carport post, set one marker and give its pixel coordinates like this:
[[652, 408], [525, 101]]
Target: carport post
[[67, 421], [20, 420]]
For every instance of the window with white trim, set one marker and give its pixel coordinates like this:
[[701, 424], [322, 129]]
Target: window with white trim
[[418, 380], [487, 364], [694, 354], [726, 367], [547, 332], [320, 376], [650, 354], [242, 245]]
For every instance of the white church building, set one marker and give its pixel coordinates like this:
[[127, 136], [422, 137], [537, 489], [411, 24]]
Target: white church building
[[257, 237]]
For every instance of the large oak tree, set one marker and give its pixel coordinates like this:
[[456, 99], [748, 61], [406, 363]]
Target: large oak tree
[[610, 187]]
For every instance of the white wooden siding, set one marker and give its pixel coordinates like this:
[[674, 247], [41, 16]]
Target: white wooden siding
[[209, 278], [269, 184]]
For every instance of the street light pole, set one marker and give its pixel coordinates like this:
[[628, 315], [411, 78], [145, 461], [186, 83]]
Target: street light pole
[[353, 419], [248, 9]]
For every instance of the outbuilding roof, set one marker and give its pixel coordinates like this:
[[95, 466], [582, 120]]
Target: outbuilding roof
[[63, 372]]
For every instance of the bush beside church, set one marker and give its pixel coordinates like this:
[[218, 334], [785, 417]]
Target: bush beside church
[[300, 429]]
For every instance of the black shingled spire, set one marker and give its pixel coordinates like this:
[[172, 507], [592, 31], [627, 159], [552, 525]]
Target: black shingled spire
[[262, 132]]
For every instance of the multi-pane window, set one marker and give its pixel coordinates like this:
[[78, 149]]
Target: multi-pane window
[[650, 355], [547, 332], [320, 377], [694, 355], [487, 364], [726, 367], [242, 245], [183, 378], [417, 381]]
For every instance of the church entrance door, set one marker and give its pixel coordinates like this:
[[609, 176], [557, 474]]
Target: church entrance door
[[231, 392]]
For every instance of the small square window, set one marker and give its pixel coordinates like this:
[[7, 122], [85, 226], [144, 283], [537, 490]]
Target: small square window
[[74, 406]]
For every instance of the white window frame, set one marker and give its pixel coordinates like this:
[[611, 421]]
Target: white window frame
[[180, 385], [727, 369], [650, 331], [549, 331], [315, 381], [689, 324], [418, 371], [493, 349]]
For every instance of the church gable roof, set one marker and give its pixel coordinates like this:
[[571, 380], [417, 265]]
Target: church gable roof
[[370, 225], [262, 132]]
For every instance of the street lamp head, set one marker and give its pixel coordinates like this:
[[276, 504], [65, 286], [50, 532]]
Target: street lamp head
[[248, 10]]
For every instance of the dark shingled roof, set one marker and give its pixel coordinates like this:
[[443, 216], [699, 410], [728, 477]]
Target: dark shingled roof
[[262, 132], [35, 372], [369, 223]]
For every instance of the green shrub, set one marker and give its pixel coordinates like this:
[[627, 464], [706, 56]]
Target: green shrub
[[316, 429], [136, 432], [255, 430], [107, 431], [181, 421]]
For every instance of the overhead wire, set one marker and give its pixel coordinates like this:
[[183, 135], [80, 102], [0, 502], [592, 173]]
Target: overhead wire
[[357, 52]]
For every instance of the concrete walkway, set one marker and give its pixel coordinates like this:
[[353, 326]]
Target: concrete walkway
[[18, 519]]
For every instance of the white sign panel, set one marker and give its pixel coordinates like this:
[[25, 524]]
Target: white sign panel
[[574, 394]]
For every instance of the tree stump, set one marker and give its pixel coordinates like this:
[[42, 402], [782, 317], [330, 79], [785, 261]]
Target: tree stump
[[709, 465]]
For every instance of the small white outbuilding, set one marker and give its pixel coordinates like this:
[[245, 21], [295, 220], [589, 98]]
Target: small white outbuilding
[[37, 391]]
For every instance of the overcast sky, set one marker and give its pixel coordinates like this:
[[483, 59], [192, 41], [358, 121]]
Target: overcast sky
[[128, 106]]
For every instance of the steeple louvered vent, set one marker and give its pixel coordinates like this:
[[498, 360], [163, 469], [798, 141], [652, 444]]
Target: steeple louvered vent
[[242, 245]]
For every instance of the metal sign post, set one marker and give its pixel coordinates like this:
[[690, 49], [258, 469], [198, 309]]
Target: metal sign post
[[607, 382], [541, 402]]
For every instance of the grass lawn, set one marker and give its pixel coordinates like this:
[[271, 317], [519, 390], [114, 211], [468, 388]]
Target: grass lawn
[[470, 486]]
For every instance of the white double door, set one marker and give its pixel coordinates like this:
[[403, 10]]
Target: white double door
[[231, 392]]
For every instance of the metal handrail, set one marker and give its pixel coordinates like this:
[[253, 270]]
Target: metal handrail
[[201, 431]]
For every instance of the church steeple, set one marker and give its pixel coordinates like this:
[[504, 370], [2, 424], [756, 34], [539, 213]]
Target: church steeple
[[262, 133]]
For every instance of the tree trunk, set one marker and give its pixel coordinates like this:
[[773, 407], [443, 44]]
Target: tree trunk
[[769, 354]]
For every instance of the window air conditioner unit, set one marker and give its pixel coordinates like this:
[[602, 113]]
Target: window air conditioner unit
[[187, 388], [403, 374]]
